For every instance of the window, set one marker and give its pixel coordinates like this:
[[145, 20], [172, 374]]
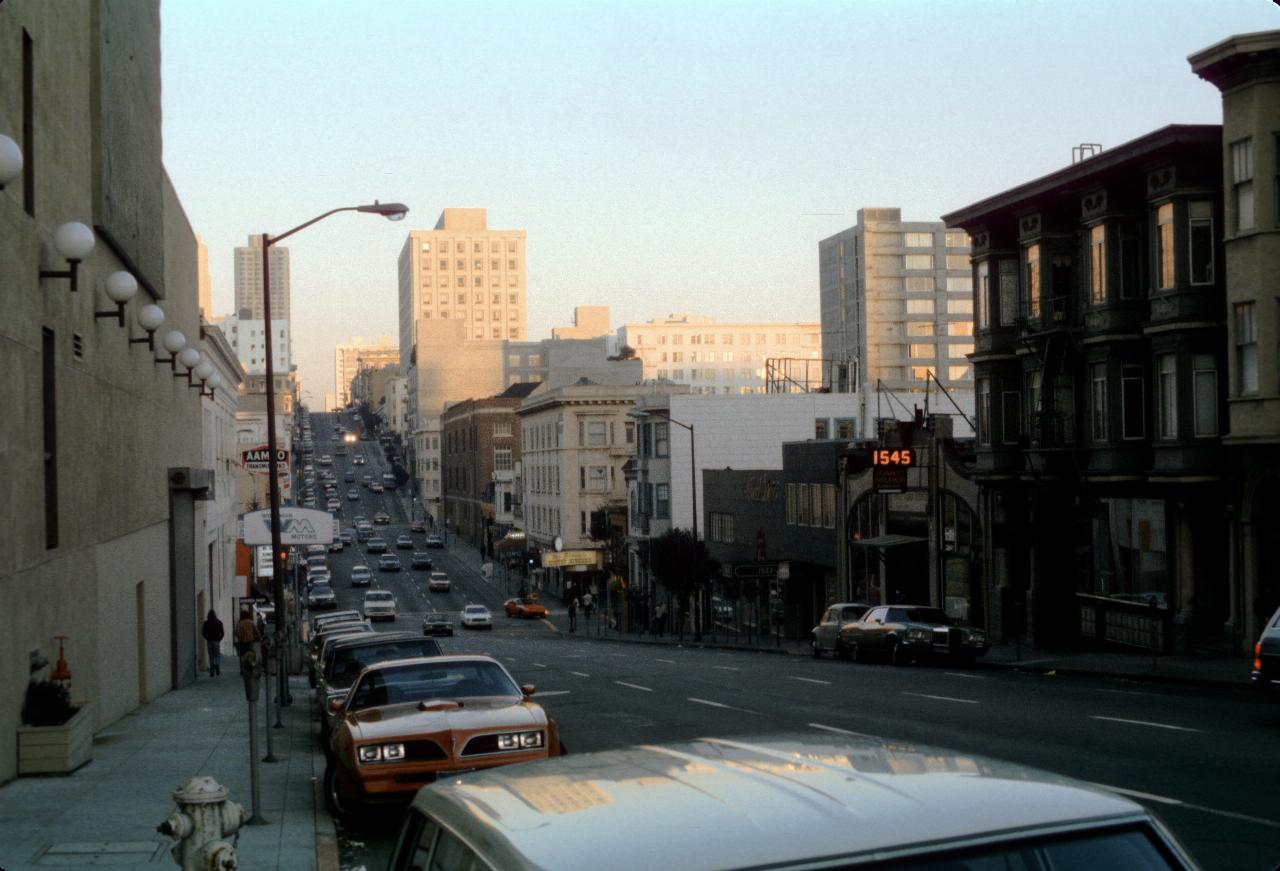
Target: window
[[918, 240], [1242, 183], [1200, 241], [959, 284], [444, 264], [960, 306], [1204, 385], [502, 459], [957, 261], [815, 504], [920, 351], [803, 505], [984, 294], [631, 432], [461, 264], [829, 506], [957, 239], [1246, 341], [919, 306], [1031, 262], [960, 328], [661, 439], [512, 298], [1008, 292], [677, 339], [1164, 246], [597, 479], [721, 528], [919, 261], [1011, 412], [1098, 264], [1132, 409], [920, 284], [957, 373], [511, 264], [1167, 396], [921, 373], [462, 282], [919, 328], [662, 502], [49, 406], [596, 435], [820, 428], [1098, 401], [960, 349]]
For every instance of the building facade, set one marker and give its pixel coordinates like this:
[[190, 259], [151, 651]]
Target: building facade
[[720, 357], [358, 354], [896, 304], [248, 339], [248, 276], [1246, 69], [480, 449], [563, 361], [1100, 369], [102, 445]]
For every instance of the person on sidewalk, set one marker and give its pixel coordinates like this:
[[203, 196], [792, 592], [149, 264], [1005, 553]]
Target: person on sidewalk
[[213, 632], [660, 617], [573, 616], [246, 634], [586, 605]]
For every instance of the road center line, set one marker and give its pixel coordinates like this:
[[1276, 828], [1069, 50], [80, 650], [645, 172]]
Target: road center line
[[712, 704], [962, 674], [943, 698], [580, 674], [1126, 692], [1133, 793], [724, 667], [1145, 723], [812, 680], [539, 665], [667, 661], [634, 686], [840, 731], [553, 693]]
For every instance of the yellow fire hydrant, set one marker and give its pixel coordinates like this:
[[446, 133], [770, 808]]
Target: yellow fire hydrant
[[201, 825]]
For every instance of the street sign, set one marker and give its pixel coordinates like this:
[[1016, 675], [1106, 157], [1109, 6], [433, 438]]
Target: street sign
[[889, 479], [257, 460], [755, 570], [297, 526]]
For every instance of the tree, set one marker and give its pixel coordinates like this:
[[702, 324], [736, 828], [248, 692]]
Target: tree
[[626, 352], [683, 565]]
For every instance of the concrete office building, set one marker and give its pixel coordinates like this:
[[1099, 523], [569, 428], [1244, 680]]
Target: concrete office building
[[721, 357], [589, 322], [249, 280], [350, 358], [897, 302], [102, 447], [247, 338]]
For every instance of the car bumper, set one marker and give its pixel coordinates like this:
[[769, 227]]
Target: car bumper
[[478, 625], [387, 784]]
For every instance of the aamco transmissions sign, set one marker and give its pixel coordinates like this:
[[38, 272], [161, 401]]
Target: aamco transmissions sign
[[258, 460]]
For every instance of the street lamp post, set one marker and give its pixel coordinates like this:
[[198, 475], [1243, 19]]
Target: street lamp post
[[391, 211]]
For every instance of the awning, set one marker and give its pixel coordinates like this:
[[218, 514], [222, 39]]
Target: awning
[[885, 541], [510, 541]]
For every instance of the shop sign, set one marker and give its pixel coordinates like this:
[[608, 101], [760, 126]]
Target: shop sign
[[566, 558]]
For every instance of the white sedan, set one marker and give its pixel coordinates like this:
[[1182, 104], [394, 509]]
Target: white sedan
[[476, 617], [379, 605]]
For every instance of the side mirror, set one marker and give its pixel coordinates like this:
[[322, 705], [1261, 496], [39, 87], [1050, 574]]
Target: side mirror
[[527, 688], [335, 705]]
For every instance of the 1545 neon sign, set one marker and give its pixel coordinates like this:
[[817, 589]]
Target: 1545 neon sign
[[900, 458]]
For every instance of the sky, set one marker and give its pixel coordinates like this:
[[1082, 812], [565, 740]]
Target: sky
[[661, 156]]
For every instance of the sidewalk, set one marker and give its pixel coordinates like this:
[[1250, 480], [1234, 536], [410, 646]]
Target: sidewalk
[[106, 813]]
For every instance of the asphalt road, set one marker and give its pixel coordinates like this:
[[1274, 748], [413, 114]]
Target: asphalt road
[[1204, 760]]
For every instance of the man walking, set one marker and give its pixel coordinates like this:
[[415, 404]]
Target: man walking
[[213, 632], [573, 615]]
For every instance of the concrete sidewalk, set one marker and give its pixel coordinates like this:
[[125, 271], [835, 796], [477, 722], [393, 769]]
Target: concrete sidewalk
[[106, 813]]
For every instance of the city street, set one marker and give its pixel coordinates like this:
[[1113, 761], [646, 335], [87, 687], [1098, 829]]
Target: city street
[[1198, 757]]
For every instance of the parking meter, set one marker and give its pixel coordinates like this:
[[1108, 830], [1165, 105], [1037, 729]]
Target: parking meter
[[249, 673]]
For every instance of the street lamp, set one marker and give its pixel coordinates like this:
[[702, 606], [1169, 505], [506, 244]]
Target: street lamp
[[393, 212]]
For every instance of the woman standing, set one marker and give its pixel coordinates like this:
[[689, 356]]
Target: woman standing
[[213, 631]]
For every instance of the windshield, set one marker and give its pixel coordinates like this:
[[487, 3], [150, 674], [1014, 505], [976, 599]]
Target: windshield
[[346, 663], [920, 615], [429, 680]]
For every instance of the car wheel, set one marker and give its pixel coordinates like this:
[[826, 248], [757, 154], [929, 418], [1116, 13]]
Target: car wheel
[[564, 751], [896, 654], [817, 651], [343, 812]]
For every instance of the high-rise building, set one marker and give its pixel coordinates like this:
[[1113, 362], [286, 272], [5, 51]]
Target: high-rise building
[[249, 279], [248, 339], [720, 357], [897, 301], [359, 354]]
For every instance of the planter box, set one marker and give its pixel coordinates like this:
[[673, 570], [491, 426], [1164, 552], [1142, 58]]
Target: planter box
[[56, 749]]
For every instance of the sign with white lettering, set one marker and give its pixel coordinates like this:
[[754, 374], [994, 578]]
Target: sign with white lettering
[[567, 558], [258, 460]]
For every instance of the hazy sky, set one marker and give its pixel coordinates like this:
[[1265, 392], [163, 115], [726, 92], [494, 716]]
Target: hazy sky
[[661, 156]]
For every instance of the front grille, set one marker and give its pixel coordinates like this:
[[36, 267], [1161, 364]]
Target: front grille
[[416, 777], [423, 751], [481, 744]]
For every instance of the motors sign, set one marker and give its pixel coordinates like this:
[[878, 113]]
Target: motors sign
[[257, 461], [297, 526]]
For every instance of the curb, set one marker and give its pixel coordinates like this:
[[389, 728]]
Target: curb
[[1136, 677], [696, 645], [326, 834]]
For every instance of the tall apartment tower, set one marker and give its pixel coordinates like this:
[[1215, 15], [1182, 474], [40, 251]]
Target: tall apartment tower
[[462, 295], [897, 299], [249, 280]]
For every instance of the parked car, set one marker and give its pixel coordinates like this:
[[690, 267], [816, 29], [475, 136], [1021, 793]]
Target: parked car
[[347, 536], [375, 487], [405, 722], [361, 576], [526, 608], [907, 633], [388, 562], [321, 596], [437, 623], [349, 477], [353, 495], [376, 544], [379, 605], [438, 582], [337, 545], [342, 661], [382, 518], [349, 626], [404, 542], [434, 539], [357, 460], [846, 803], [311, 550], [420, 560], [476, 617], [1266, 655], [825, 637]]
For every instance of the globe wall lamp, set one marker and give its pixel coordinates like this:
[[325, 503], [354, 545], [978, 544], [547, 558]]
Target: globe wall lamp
[[189, 357], [10, 160], [173, 342], [203, 372], [150, 317], [214, 382], [74, 241], [121, 287]]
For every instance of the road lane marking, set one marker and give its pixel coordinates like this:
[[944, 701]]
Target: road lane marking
[[667, 661], [1168, 726], [1126, 692], [962, 674], [812, 680], [618, 655], [943, 698], [509, 658], [840, 731], [539, 665], [1161, 799], [712, 704], [724, 667], [549, 625], [580, 674], [553, 693], [634, 686]]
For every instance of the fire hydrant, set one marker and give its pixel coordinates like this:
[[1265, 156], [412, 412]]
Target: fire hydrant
[[201, 824]]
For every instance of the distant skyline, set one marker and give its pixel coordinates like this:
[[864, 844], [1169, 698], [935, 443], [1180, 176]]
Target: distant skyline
[[705, 147]]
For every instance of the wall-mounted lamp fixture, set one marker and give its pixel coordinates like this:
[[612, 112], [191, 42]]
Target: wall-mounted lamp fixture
[[150, 317], [173, 342], [74, 241], [203, 373], [190, 358], [121, 287], [214, 382], [10, 161]]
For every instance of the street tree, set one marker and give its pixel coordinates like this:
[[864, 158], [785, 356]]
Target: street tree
[[683, 565]]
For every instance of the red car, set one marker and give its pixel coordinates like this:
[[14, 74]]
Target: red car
[[526, 608]]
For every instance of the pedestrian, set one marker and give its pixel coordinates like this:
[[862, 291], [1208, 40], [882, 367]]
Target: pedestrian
[[213, 632], [660, 617], [586, 605], [246, 633], [573, 615]]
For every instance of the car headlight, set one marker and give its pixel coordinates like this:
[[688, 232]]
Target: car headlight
[[916, 635], [977, 638], [368, 753], [519, 740]]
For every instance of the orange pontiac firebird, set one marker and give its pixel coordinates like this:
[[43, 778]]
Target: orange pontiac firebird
[[526, 608], [406, 722]]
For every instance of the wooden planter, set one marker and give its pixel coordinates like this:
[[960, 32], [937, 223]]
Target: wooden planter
[[56, 749]]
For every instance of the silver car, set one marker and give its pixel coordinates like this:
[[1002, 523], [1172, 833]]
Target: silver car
[[778, 803], [825, 637], [1266, 655]]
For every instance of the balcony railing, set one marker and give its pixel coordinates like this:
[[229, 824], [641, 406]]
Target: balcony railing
[[1053, 429]]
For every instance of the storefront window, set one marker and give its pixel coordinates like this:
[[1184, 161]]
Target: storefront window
[[1130, 550]]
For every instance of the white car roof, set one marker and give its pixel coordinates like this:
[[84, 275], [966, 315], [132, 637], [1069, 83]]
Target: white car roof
[[379, 594]]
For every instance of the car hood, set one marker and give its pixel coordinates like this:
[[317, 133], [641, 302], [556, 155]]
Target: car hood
[[444, 715]]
